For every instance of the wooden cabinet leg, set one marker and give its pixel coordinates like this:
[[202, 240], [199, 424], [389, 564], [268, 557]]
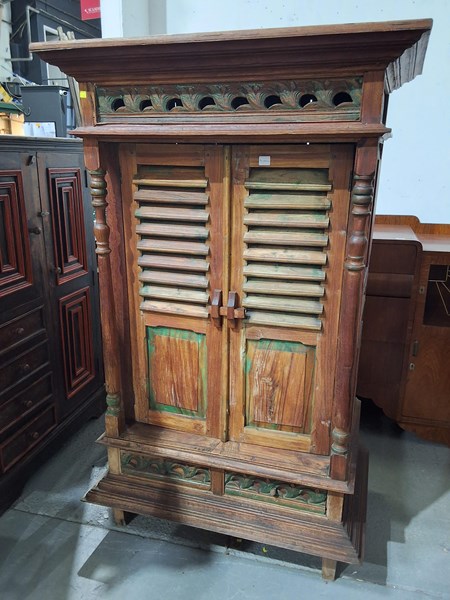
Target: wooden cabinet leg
[[119, 517], [329, 569]]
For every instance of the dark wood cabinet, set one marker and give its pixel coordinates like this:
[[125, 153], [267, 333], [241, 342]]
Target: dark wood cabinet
[[51, 374], [406, 332], [232, 176]]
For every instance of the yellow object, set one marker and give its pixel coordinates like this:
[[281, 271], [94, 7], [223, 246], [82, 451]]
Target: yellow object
[[4, 96], [83, 94], [11, 124]]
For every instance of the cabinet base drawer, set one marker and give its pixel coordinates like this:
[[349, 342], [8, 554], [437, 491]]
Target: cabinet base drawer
[[15, 448], [21, 406]]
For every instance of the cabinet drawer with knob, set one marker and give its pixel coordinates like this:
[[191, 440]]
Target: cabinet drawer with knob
[[17, 409], [22, 366], [14, 448], [20, 330]]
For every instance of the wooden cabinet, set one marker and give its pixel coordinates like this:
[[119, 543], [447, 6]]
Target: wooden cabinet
[[50, 355], [232, 177], [407, 326]]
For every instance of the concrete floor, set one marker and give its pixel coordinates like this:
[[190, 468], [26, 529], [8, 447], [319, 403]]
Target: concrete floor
[[53, 547]]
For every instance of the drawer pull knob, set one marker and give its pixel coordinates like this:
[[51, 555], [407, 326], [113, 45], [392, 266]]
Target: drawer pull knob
[[35, 435], [20, 331], [28, 403], [35, 230], [24, 368]]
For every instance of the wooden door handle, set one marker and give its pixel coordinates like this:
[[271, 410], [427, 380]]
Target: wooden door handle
[[214, 309], [230, 311], [233, 313]]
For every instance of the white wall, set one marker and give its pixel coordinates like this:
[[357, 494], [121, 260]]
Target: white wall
[[416, 160], [133, 18], [5, 31]]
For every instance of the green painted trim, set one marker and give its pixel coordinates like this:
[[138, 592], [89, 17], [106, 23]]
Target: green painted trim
[[276, 492], [161, 468], [189, 336]]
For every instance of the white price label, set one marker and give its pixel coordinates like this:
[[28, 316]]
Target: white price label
[[264, 161]]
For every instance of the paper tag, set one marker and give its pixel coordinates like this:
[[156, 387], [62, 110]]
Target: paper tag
[[83, 94], [264, 161]]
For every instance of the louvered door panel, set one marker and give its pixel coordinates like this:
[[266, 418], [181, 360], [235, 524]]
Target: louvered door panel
[[173, 208], [286, 222], [173, 221], [290, 208]]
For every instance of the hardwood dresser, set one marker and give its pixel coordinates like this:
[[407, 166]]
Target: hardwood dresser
[[51, 374], [406, 332], [233, 176]]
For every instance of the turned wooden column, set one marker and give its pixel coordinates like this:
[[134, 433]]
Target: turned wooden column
[[114, 412]]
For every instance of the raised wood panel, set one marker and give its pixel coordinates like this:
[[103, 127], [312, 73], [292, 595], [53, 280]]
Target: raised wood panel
[[69, 239], [177, 371], [77, 340], [15, 260], [279, 385]]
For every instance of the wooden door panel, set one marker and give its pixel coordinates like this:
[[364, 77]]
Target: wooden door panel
[[77, 340], [15, 259], [279, 378], [69, 238], [173, 214], [177, 371], [290, 210], [68, 232]]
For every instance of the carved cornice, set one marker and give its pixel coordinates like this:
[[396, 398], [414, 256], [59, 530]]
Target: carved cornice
[[349, 49]]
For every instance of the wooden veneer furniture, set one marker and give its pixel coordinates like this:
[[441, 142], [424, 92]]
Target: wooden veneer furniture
[[406, 332], [51, 374], [233, 178]]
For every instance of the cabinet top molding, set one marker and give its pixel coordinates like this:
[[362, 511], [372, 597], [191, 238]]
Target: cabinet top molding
[[398, 47]]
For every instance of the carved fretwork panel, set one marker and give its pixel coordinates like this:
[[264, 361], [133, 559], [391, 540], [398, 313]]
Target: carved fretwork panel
[[152, 467], [77, 341], [276, 492], [15, 261], [303, 100], [69, 243]]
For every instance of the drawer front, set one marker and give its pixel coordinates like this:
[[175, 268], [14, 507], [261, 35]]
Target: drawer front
[[23, 366], [28, 437], [394, 285], [21, 329], [388, 257], [23, 404]]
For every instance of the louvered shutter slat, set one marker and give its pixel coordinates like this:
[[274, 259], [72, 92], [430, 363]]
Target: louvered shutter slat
[[286, 241], [173, 240]]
